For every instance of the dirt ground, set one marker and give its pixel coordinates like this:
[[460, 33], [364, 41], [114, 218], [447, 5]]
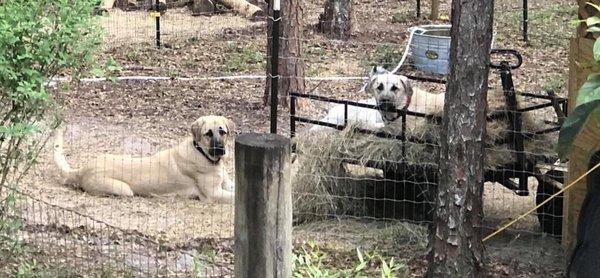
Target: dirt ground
[[141, 117]]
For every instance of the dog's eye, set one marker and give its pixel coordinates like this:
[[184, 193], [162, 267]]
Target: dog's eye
[[394, 88], [209, 133], [380, 87], [222, 132]]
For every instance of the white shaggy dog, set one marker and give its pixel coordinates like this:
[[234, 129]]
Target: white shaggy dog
[[368, 118], [389, 91], [393, 91]]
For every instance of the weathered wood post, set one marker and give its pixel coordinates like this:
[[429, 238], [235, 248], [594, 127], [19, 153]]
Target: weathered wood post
[[263, 206]]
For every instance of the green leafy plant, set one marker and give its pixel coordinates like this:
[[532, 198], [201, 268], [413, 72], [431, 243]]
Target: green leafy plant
[[198, 268], [312, 262], [39, 40], [244, 59], [592, 22], [587, 104], [555, 84], [27, 269], [403, 16], [10, 224], [387, 56], [110, 69]]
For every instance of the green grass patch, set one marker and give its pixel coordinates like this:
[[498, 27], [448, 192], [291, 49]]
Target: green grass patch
[[244, 58]]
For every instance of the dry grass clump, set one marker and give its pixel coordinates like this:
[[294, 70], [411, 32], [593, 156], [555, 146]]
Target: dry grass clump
[[325, 187]]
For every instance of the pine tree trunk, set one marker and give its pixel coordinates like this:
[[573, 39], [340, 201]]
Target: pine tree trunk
[[455, 243], [435, 10], [291, 64], [336, 19]]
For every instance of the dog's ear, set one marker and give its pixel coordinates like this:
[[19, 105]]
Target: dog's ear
[[408, 89], [196, 128], [230, 127], [406, 84], [377, 70], [373, 71]]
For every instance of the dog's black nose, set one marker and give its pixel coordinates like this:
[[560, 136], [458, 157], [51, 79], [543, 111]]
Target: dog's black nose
[[217, 151], [386, 105]]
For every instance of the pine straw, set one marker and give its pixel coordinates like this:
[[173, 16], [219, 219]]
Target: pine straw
[[325, 187]]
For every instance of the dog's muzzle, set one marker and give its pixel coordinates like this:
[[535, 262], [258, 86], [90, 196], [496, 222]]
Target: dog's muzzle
[[217, 148], [217, 151], [386, 105]]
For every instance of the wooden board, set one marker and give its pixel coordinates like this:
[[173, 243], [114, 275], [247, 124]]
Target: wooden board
[[580, 56], [586, 144]]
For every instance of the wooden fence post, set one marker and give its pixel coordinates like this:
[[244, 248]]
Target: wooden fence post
[[263, 206]]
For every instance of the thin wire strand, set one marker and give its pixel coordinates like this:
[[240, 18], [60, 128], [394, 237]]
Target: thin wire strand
[[541, 204]]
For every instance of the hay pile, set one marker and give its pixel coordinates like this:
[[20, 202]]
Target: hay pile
[[324, 186]]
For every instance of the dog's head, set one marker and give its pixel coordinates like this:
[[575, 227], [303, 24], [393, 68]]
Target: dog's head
[[391, 91], [212, 133]]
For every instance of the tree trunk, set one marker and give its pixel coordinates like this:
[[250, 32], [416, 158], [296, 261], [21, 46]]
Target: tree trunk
[[172, 4], [126, 5], [455, 243], [291, 65], [336, 19], [435, 10], [202, 7]]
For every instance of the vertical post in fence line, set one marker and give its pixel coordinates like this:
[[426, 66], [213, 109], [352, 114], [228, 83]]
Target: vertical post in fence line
[[345, 115], [292, 115], [404, 133], [418, 8], [525, 19], [275, 64], [156, 14], [263, 206]]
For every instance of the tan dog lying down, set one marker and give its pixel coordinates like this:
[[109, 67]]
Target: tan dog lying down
[[194, 168]]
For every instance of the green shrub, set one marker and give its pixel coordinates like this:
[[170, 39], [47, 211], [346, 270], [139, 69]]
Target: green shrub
[[38, 40], [403, 17], [311, 261], [244, 59], [387, 56]]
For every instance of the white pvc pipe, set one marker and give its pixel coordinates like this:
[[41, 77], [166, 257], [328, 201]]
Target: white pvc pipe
[[53, 81]]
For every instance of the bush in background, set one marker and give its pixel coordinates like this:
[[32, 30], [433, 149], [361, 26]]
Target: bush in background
[[38, 41]]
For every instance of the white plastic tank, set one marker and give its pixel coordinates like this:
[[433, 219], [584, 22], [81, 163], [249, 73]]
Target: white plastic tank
[[430, 48]]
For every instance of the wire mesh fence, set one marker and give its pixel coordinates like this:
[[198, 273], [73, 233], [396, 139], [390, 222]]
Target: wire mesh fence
[[56, 241], [351, 189]]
